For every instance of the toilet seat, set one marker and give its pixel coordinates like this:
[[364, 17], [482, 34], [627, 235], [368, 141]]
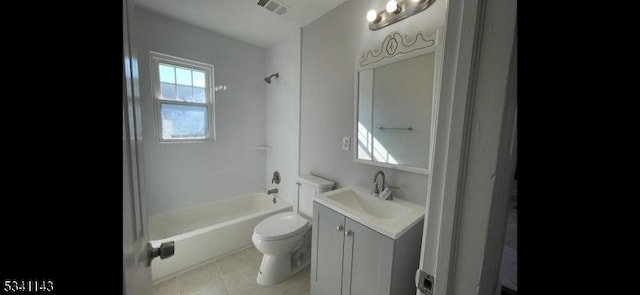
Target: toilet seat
[[280, 226]]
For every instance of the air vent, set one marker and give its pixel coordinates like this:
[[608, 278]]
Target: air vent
[[274, 6], [281, 10]]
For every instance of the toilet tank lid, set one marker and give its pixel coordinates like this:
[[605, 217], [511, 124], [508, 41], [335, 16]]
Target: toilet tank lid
[[316, 181]]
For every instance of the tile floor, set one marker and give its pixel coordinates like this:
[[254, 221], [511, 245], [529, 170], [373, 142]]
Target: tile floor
[[234, 274]]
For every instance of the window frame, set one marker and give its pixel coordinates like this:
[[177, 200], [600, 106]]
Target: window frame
[[155, 59]]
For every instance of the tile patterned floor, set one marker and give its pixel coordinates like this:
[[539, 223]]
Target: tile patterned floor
[[234, 274]]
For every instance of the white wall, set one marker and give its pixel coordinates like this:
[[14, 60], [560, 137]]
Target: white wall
[[283, 103], [330, 46], [185, 174]]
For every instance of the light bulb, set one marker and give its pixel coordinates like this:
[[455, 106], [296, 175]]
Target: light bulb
[[372, 15], [392, 6]]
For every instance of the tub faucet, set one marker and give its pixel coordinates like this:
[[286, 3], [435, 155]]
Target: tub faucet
[[276, 177], [272, 191]]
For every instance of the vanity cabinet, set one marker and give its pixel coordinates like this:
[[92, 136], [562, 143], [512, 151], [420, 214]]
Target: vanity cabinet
[[349, 258]]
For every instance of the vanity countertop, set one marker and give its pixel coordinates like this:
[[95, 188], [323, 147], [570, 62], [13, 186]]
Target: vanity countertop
[[391, 218]]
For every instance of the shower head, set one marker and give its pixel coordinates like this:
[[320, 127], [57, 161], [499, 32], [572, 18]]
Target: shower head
[[268, 79]]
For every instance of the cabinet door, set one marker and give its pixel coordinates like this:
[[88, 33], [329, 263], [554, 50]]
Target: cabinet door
[[367, 261], [326, 258]]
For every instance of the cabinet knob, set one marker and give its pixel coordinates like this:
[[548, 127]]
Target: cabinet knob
[[348, 233], [339, 228]]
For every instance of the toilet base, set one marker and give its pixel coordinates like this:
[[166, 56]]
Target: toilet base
[[275, 269]]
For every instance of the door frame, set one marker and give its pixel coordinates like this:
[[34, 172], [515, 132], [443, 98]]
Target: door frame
[[136, 272], [469, 29], [459, 74]]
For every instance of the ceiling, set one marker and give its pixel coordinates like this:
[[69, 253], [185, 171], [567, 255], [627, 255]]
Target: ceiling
[[243, 20]]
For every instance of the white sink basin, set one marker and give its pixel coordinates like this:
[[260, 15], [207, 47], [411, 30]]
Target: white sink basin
[[369, 205], [391, 218]]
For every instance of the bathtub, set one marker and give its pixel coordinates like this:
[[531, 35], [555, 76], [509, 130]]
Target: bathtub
[[207, 231]]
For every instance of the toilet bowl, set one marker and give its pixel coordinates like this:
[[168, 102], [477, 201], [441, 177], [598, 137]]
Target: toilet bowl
[[284, 239]]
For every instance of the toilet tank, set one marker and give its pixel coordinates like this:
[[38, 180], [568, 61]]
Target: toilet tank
[[311, 185]]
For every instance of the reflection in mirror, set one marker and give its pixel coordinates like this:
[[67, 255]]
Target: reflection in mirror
[[365, 111], [394, 112]]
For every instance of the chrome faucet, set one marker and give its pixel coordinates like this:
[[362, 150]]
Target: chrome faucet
[[272, 191], [376, 191]]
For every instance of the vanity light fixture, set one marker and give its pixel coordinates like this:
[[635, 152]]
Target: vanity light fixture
[[392, 7], [395, 12], [372, 16]]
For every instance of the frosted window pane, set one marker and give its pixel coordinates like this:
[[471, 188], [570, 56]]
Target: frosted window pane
[[180, 122], [198, 94], [185, 93], [168, 91]]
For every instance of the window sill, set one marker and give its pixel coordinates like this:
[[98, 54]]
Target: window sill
[[194, 140]]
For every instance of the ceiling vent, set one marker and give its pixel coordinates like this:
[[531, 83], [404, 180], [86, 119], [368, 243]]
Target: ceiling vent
[[274, 6]]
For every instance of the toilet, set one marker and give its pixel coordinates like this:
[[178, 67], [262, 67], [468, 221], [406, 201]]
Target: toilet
[[284, 239]]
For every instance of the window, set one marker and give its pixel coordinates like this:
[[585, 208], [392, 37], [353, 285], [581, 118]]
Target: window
[[183, 98]]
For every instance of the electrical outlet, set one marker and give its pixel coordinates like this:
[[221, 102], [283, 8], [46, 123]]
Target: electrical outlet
[[346, 143]]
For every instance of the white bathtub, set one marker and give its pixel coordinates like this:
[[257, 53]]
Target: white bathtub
[[207, 231]]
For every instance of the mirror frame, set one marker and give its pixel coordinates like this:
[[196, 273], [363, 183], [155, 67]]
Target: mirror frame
[[394, 48]]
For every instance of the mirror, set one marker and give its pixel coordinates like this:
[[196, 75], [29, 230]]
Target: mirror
[[394, 98]]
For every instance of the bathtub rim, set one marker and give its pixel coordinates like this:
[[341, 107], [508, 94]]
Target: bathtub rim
[[214, 201], [188, 234]]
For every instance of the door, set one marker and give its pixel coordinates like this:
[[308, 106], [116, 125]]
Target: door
[[367, 261], [326, 259], [136, 271], [466, 165]]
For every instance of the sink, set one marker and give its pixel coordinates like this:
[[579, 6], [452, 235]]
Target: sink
[[391, 218], [367, 204]]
